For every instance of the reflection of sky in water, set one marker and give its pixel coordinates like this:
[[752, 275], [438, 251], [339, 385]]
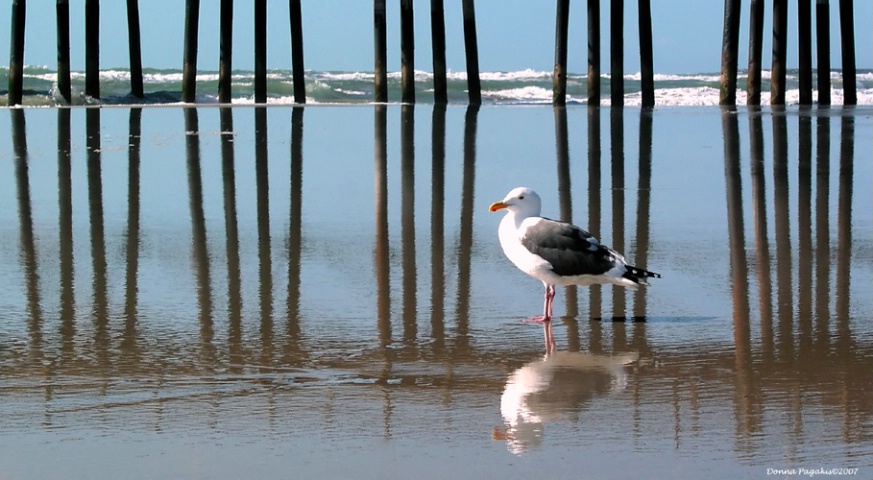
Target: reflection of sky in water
[[513, 146], [432, 371]]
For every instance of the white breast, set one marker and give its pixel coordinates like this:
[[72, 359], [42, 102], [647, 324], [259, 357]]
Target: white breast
[[510, 235]]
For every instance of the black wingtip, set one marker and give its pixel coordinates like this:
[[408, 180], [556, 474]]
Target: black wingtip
[[639, 275]]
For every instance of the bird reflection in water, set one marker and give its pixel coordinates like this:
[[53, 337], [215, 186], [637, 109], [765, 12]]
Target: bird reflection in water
[[554, 388]]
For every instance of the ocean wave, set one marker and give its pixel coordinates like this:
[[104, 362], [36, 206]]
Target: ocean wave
[[527, 86]]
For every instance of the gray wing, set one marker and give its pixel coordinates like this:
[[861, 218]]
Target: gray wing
[[570, 250]]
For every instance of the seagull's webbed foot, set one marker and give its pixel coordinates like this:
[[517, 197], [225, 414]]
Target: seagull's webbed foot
[[537, 319]]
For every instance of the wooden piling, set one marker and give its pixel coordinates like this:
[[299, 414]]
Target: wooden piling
[[189, 60], [62, 13], [16, 54], [438, 42], [380, 81], [407, 52], [225, 59], [647, 68], [616, 52], [729, 46], [297, 72], [559, 77], [804, 49], [780, 49], [847, 38], [593, 52], [471, 47], [823, 57], [261, 51], [133, 36], [756, 38], [92, 48]]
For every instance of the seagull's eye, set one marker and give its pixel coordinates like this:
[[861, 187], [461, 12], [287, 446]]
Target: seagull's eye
[[521, 197]]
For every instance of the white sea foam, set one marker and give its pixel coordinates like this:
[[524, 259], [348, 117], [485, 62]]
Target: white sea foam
[[525, 86]]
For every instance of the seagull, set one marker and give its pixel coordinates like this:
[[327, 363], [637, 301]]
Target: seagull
[[558, 253]]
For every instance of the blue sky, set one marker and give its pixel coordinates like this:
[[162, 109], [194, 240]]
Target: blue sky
[[513, 35]]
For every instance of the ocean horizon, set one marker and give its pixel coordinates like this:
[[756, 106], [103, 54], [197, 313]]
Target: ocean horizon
[[522, 87]]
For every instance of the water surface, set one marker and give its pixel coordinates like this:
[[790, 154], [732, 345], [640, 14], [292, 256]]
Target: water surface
[[224, 292]]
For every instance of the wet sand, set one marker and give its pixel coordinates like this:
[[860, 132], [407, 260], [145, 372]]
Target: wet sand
[[319, 292]]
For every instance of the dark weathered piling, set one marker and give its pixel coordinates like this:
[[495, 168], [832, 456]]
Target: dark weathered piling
[[62, 12], [380, 42], [756, 38], [296, 15], [16, 54], [133, 42], [261, 51], [847, 37], [559, 77], [593, 52], [92, 48], [189, 60], [647, 68], [471, 47], [729, 45], [225, 59], [438, 43], [616, 55], [780, 49], [804, 50], [823, 52], [407, 52]]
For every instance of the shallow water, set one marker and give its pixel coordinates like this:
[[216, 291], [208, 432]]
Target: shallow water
[[217, 293]]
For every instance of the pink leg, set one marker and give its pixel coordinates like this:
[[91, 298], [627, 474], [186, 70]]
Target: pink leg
[[548, 298]]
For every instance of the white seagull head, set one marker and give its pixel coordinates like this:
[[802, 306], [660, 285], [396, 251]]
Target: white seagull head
[[521, 201]]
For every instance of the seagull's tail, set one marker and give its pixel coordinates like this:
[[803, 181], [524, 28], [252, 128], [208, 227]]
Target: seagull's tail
[[638, 275]]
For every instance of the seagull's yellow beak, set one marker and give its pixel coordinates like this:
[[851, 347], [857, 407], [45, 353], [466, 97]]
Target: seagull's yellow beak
[[497, 206]]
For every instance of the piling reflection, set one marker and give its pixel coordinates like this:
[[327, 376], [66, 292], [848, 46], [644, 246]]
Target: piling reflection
[[437, 229], [100, 300], [407, 222], [132, 243], [265, 270], [26, 237], [565, 202], [465, 240], [199, 244], [383, 277], [616, 139], [65, 231], [820, 356], [231, 230], [793, 347], [294, 348], [595, 293]]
